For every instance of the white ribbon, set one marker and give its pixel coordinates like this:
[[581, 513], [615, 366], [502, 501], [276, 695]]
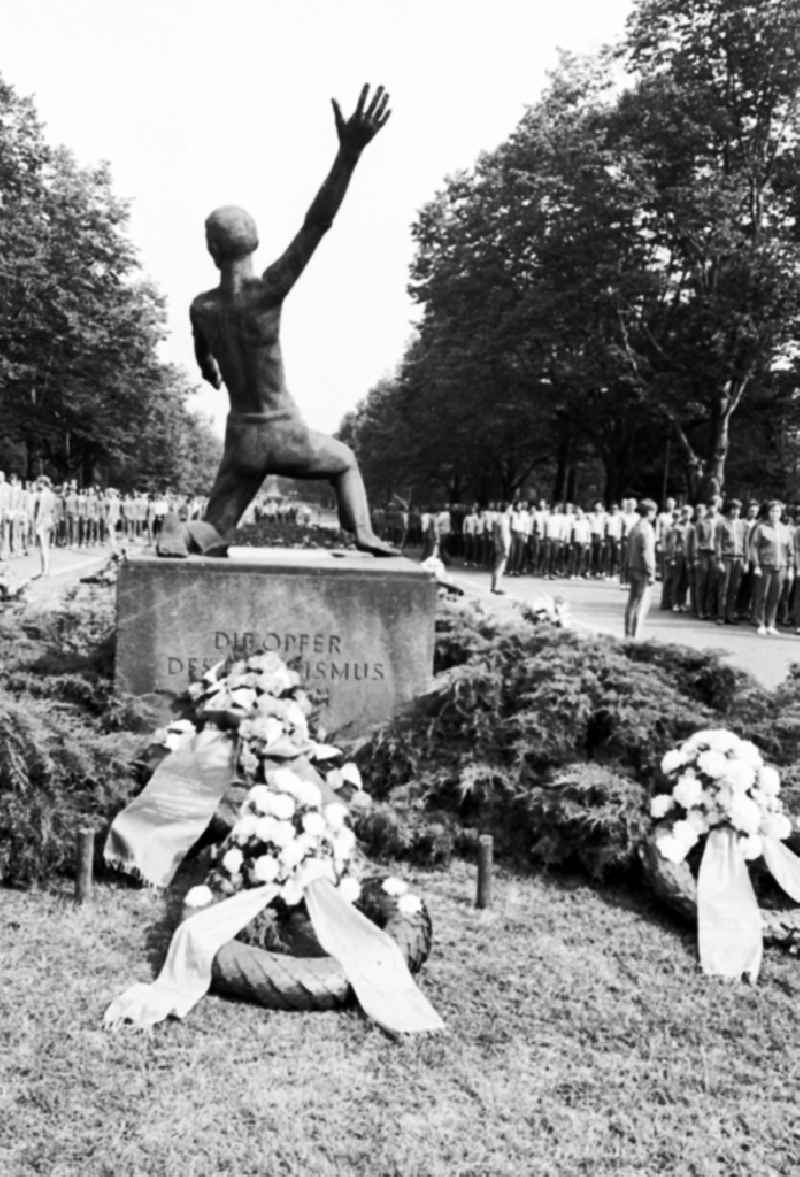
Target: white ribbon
[[729, 928], [371, 961]]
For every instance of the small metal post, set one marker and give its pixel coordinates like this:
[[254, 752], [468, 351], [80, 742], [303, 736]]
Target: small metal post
[[483, 898], [84, 875]]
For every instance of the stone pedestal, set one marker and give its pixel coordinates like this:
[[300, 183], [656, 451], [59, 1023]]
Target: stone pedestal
[[357, 628]]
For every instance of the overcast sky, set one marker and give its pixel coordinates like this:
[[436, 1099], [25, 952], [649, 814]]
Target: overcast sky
[[197, 103]]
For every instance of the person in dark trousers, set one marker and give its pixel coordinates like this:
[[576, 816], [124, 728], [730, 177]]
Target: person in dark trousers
[[641, 555]]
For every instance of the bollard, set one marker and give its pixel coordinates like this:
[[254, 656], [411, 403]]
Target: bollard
[[483, 898], [84, 875]]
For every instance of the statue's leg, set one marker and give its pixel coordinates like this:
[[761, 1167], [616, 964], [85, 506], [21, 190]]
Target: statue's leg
[[334, 460]]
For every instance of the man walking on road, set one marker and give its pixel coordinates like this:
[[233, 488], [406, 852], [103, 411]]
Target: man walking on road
[[641, 553]]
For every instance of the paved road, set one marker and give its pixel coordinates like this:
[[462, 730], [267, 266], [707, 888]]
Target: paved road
[[600, 605], [66, 568]]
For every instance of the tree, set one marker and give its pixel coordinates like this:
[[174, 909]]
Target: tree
[[80, 379]]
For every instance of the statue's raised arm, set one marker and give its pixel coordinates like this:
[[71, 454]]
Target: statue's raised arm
[[370, 115]]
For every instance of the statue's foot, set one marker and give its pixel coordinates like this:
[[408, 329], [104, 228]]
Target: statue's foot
[[173, 539], [369, 542], [205, 539]]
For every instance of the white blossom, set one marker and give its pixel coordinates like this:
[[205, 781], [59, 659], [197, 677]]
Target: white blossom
[[349, 889], [335, 815], [739, 775], [748, 752], [670, 848], [688, 792], [768, 780], [199, 896], [265, 829], [292, 893], [394, 886], [246, 827], [260, 799], [745, 815], [672, 761], [282, 806], [409, 904], [292, 855], [699, 821], [351, 775], [713, 763], [282, 833], [752, 846], [232, 860], [776, 825], [313, 824], [660, 805], [265, 868], [684, 833]]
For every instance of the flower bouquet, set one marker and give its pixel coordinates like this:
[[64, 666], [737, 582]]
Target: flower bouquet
[[277, 919], [720, 790]]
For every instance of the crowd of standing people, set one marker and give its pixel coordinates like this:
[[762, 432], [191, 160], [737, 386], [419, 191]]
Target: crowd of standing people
[[723, 561]]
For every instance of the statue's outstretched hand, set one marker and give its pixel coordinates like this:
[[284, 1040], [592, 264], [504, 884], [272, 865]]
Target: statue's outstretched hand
[[363, 125]]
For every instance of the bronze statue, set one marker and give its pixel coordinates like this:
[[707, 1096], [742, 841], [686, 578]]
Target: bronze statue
[[236, 330]]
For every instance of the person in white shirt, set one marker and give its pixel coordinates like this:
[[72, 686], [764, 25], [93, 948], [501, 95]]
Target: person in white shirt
[[501, 528], [597, 527], [44, 520], [469, 532], [538, 542], [581, 545], [520, 530], [556, 534], [630, 518]]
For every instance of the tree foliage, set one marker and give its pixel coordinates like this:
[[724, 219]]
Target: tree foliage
[[623, 270], [82, 390]]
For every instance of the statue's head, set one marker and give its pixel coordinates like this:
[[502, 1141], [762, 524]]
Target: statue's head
[[230, 233]]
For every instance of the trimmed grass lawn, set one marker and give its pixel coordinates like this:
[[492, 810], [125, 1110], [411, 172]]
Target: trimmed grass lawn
[[581, 1040]]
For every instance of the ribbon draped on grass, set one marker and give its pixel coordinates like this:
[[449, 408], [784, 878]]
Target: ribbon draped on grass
[[371, 961], [152, 836], [729, 937]]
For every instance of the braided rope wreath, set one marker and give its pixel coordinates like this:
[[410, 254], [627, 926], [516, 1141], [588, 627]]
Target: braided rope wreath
[[675, 885], [310, 980]]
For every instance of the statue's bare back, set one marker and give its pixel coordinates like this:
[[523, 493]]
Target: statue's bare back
[[236, 329]]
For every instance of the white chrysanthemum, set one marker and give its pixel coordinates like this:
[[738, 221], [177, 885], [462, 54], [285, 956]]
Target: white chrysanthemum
[[670, 848], [195, 691], [684, 833], [698, 821], [246, 827], [716, 739], [296, 717], [265, 868], [672, 761], [282, 833], [292, 893], [748, 752], [243, 698], [409, 904], [739, 775], [776, 825], [265, 829], [394, 886], [335, 815], [283, 780], [660, 805], [344, 843], [260, 799], [199, 896], [262, 662], [313, 824], [688, 792], [349, 889], [267, 728], [351, 775], [745, 815], [283, 806], [293, 854], [248, 761], [232, 860], [310, 795], [713, 763], [752, 846], [334, 779], [769, 781]]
